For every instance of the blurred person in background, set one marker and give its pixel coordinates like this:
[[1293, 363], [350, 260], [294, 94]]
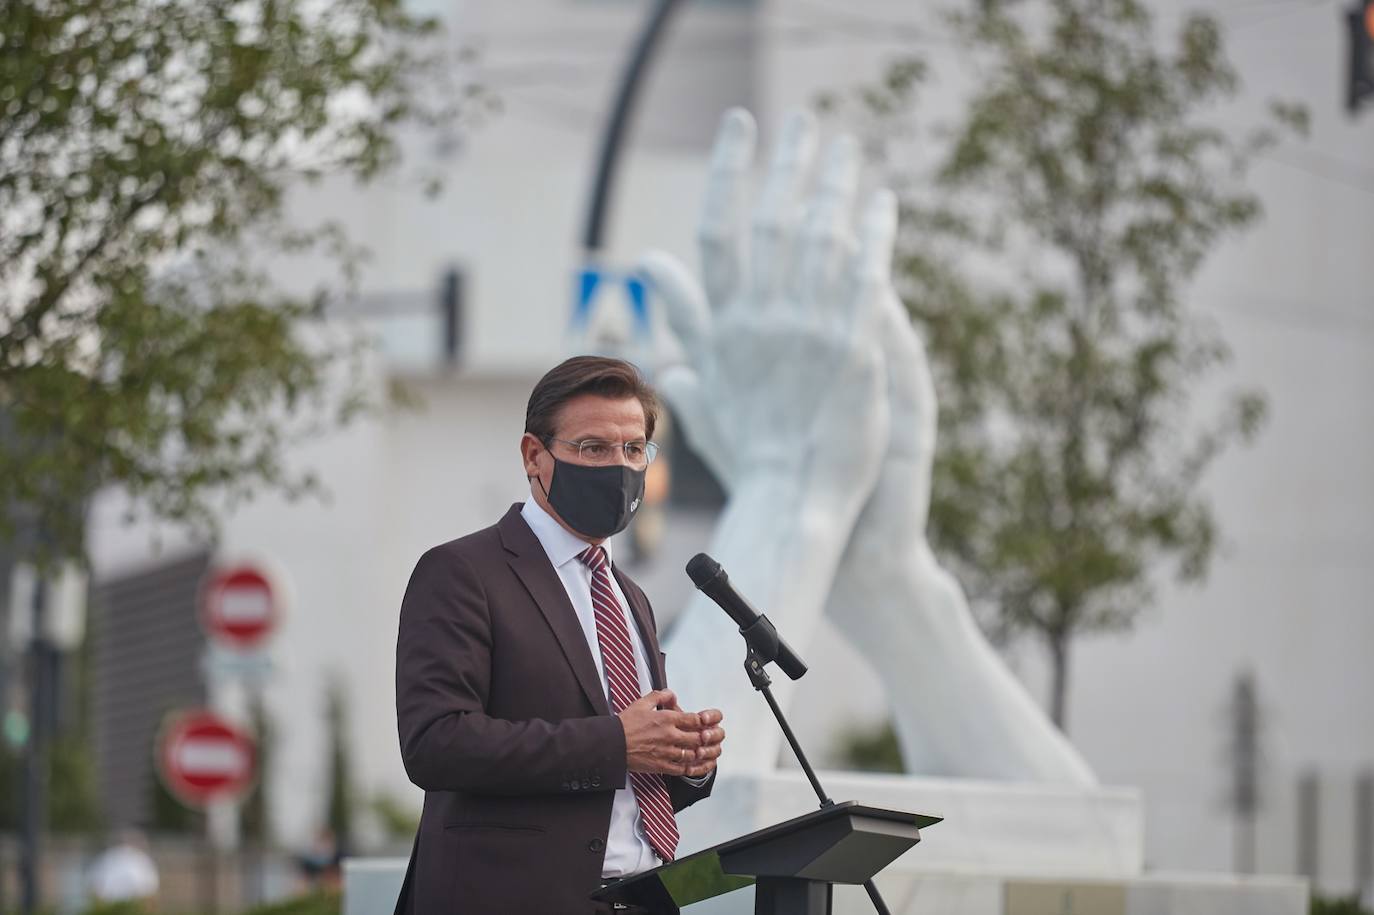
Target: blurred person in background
[[531, 693], [125, 872], [321, 864]]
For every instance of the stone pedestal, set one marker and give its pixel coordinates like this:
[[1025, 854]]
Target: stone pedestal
[[989, 826], [372, 885], [1003, 849]]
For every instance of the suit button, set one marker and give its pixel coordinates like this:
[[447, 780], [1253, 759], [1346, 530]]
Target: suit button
[[596, 781], [596, 845], [586, 784], [565, 786]]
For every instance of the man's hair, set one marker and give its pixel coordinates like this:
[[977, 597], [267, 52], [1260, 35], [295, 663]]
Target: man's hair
[[599, 375]]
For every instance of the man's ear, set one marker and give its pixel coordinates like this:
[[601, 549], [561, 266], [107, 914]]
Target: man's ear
[[529, 451]]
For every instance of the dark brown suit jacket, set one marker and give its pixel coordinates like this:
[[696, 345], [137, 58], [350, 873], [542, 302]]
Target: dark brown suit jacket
[[504, 724]]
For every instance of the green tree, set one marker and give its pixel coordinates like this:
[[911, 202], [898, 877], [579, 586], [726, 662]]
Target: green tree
[[339, 803], [73, 798], [1337, 905], [872, 749], [146, 147], [1083, 186], [399, 820]]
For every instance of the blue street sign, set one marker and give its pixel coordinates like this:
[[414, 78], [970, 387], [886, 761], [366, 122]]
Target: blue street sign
[[600, 287]]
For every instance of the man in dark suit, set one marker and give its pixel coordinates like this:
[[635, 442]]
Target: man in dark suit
[[531, 697]]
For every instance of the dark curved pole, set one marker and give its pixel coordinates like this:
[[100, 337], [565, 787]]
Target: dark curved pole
[[613, 136]]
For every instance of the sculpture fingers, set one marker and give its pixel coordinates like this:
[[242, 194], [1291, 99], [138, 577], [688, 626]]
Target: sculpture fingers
[[827, 242], [721, 232], [683, 390], [776, 216], [684, 302], [873, 264]]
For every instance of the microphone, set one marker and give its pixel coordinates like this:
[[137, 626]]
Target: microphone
[[756, 628]]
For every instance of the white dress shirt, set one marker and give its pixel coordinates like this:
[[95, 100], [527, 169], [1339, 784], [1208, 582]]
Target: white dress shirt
[[627, 848]]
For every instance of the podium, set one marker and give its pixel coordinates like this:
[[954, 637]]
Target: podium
[[793, 865]]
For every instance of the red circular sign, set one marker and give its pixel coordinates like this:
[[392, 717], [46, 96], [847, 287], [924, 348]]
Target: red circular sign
[[203, 758], [238, 606]]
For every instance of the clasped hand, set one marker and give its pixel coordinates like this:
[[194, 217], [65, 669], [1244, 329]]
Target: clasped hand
[[661, 737], [808, 392]]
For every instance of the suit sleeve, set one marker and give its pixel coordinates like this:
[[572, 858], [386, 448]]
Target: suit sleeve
[[443, 668], [685, 791]]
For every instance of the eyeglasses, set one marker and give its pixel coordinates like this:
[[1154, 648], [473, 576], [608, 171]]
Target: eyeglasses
[[596, 451]]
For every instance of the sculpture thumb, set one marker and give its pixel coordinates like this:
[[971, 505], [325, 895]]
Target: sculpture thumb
[[683, 299], [911, 388]]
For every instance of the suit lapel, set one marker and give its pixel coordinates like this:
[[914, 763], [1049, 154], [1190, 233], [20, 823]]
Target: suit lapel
[[531, 565], [640, 610]]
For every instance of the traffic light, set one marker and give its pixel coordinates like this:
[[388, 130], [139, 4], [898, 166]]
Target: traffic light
[[1361, 87]]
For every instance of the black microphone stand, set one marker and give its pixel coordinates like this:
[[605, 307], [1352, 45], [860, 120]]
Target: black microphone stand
[[754, 663]]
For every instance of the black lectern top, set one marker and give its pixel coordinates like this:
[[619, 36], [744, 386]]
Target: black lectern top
[[842, 843]]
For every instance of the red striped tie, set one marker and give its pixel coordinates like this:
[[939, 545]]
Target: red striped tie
[[617, 654]]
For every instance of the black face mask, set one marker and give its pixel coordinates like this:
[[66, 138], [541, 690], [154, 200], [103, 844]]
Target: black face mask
[[595, 501]]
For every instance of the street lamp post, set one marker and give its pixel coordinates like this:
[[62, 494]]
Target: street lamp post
[[36, 758], [612, 138]]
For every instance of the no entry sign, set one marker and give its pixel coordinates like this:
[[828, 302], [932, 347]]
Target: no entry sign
[[203, 758], [239, 606]]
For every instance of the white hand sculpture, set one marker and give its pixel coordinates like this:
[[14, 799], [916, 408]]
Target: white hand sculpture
[[958, 710], [784, 395]]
